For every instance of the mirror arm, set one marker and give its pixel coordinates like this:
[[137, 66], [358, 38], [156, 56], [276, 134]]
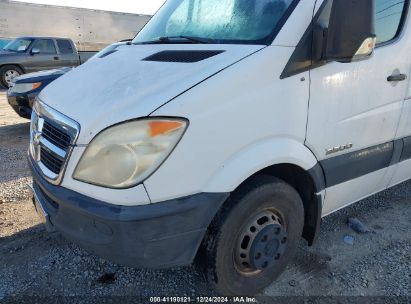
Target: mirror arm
[[319, 47]]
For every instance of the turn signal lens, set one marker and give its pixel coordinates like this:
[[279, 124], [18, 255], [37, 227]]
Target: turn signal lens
[[367, 48], [36, 85], [164, 127]]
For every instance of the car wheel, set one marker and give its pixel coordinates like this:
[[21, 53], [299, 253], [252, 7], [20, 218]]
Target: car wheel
[[253, 238], [8, 73]]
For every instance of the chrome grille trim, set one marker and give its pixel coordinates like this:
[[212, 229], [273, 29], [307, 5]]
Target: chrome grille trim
[[58, 146], [56, 150]]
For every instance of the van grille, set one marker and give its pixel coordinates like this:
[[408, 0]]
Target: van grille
[[56, 136], [50, 161], [52, 139]]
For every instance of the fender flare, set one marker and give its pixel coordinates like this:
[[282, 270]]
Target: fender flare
[[261, 155], [271, 152]]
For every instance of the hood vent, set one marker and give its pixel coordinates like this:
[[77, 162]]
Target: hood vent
[[108, 53], [182, 56]]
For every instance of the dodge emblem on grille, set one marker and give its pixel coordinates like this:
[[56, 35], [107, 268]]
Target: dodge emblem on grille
[[36, 138], [36, 134], [36, 145]]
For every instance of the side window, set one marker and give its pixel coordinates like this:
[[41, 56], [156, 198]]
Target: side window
[[389, 19], [65, 46], [46, 46]]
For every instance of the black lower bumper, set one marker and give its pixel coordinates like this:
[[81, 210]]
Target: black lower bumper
[[22, 103], [153, 236]]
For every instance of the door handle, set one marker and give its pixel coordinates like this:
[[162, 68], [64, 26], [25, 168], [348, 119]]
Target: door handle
[[396, 78], [56, 58]]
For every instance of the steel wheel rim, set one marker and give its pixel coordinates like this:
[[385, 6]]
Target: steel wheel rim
[[254, 227], [10, 75]]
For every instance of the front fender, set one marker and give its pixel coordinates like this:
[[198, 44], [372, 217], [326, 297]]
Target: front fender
[[257, 157]]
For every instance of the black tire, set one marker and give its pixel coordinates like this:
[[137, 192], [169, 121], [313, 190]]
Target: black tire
[[218, 257], [4, 69]]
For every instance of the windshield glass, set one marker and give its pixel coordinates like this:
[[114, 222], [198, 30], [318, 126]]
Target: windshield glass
[[217, 21], [18, 45], [3, 43]]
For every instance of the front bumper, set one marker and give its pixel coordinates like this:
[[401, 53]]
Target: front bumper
[[159, 235], [22, 103]]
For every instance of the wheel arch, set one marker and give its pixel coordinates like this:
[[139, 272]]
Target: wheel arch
[[309, 185], [286, 159], [14, 64]]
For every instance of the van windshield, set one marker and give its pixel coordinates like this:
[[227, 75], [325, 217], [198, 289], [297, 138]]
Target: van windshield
[[18, 45], [215, 21]]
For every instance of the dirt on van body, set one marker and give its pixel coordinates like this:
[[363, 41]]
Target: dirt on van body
[[343, 264]]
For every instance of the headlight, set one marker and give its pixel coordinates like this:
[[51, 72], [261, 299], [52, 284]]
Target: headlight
[[124, 155], [20, 88]]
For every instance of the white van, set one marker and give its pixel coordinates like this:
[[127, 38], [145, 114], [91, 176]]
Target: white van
[[225, 132]]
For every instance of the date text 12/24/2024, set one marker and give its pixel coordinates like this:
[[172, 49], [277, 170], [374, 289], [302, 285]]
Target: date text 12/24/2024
[[203, 300]]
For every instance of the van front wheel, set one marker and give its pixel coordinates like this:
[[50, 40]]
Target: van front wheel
[[253, 238]]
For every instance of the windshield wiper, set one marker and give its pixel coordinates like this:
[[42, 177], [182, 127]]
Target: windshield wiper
[[176, 40], [193, 39]]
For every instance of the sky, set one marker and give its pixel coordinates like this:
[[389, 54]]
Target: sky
[[145, 7]]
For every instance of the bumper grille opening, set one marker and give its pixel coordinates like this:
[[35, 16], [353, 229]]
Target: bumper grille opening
[[56, 136], [50, 161]]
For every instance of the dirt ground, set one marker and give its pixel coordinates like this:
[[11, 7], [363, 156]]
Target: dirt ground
[[377, 266]]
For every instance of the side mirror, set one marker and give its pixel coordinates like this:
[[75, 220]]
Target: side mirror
[[35, 51], [351, 31], [342, 31]]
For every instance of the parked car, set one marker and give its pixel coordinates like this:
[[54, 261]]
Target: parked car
[[33, 54], [225, 133], [24, 89]]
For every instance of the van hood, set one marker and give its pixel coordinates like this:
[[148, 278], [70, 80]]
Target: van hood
[[124, 86]]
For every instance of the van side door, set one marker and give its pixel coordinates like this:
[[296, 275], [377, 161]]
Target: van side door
[[402, 169], [355, 109]]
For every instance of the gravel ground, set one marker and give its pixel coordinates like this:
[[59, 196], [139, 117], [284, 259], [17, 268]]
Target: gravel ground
[[36, 264]]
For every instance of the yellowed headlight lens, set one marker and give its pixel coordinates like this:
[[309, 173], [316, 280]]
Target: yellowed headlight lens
[[125, 155]]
